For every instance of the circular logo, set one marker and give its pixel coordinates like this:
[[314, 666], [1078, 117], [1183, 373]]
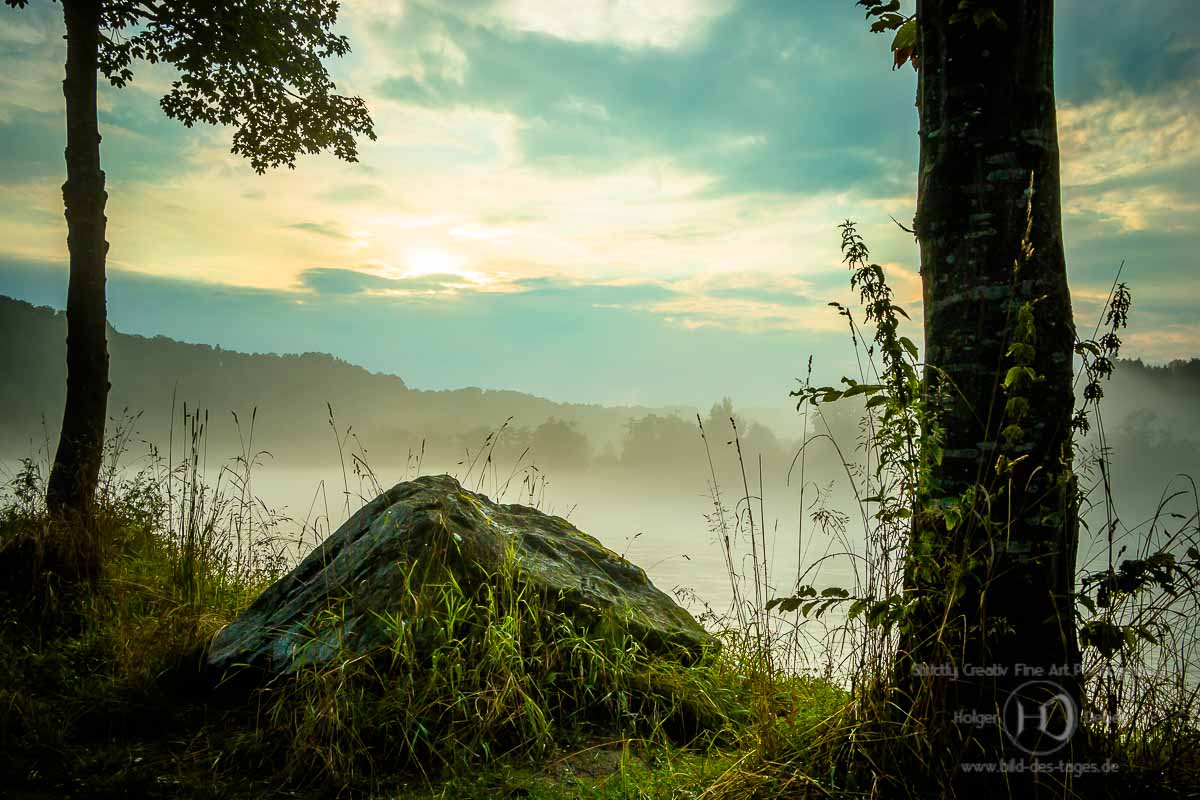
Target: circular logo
[[1040, 717]]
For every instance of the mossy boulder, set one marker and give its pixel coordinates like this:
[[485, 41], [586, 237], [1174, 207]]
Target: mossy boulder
[[343, 599]]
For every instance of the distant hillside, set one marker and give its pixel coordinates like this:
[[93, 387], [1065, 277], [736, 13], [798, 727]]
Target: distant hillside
[[1151, 414], [1168, 395], [290, 392]]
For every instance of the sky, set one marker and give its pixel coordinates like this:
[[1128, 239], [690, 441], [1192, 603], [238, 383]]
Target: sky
[[607, 201]]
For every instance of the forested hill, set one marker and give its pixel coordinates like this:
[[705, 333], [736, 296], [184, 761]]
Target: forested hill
[[1168, 395], [290, 392], [1151, 413]]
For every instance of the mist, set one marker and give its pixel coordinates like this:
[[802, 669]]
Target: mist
[[323, 437]]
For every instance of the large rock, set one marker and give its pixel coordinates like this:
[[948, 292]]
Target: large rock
[[360, 571]]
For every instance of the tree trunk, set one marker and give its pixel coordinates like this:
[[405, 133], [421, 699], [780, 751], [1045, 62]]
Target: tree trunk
[[72, 485], [989, 185]]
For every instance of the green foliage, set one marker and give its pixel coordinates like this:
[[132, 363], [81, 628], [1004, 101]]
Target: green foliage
[[256, 67], [888, 18], [905, 43], [807, 599], [1105, 593], [902, 437], [1099, 353], [1110, 639], [1159, 571], [899, 391]]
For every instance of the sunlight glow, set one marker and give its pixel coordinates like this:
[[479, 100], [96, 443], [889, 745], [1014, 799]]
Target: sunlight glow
[[433, 261]]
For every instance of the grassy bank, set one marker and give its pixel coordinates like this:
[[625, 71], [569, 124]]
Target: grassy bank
[[103, 691]]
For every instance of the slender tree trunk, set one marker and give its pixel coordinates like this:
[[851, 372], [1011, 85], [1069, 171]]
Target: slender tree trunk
[[989, 184], [73, 478]]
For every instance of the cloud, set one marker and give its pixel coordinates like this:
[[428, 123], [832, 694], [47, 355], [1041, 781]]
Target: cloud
[[409, 89], [694, 311], [141, 143], [334, 281], [674, 161], [1165, 343], [575, 105], [756, 102], [407, 285], [746, 302], [32, 143], [32, 39], [350, 192], [575, 165], [627, 24], [1124, 134], [759, 302], [21, 33], [757, 294], [1107, 47], [331, 230], [1133, 161], [1131, 168]]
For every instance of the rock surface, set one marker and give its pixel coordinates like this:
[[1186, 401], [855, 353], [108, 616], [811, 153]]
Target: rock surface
[[360, 569]]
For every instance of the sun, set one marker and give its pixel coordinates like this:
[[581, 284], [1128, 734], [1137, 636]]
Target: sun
[[433, 261]]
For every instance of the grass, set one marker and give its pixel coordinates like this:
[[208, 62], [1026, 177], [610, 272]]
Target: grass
[[102, 691]]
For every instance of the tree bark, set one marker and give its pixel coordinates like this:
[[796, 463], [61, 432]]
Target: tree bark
[[73, 478], [989, 184]]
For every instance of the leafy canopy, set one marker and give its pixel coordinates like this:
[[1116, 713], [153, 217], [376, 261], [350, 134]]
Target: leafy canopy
[[254, 65]]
